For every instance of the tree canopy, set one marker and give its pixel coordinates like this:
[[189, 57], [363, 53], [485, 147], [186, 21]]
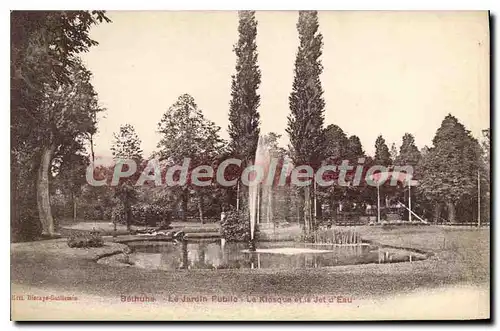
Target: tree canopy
[[449, 169]]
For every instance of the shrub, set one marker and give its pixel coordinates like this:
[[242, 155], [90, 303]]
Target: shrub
[[92, 212], [85, 240], [118, 214], [236, 226]]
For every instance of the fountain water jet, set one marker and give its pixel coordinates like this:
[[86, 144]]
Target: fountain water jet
[[262, 160]]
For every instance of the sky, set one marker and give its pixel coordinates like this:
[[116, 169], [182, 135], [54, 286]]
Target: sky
[[384, 72]]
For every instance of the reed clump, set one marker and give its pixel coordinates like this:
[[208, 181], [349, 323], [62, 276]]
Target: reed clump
[[335, 236]]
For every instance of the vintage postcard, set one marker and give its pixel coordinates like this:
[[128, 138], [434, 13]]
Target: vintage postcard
[[251, 165]]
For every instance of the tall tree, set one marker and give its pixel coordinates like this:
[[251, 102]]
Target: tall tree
[[336, 142], [336, 150], [70, 165], [485, 173], [382, 154], [409, 155], [383, 157], [306, 118], [394, 152], [449, 169], [354, 148], [44, 45], [67, 111], [244, 117], [186, 133], [127, 146]]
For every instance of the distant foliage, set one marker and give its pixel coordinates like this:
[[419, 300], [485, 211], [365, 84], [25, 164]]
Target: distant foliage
[[143, 214], [118, 214], [85, 240], [151, 215]]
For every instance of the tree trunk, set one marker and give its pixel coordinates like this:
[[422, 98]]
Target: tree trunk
[[128, 213], [451, 212], [244, 202], [301, 210], [307, 210], [92, 147], [319, 211], [270, 205], [437, 211], [43, 197], [184, 205], [288, 204], [74, 206], [14, 198], [200, 208]]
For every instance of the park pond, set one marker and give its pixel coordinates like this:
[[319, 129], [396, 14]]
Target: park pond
[[211, 254]]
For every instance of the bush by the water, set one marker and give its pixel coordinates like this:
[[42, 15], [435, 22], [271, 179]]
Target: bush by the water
[[85, 240], [236, 226]]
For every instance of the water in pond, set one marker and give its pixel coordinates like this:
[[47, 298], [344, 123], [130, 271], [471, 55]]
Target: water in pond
[[211, 255]]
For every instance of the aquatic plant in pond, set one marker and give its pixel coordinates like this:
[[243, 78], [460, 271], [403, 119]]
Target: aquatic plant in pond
[[335, 236]]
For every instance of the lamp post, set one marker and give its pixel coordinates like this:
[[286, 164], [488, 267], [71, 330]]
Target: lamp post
[[238, 196], [478, 199], [378, 202], [409, 199]]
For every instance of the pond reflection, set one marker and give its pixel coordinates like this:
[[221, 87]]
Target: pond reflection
[[213, 255]]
